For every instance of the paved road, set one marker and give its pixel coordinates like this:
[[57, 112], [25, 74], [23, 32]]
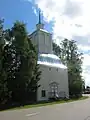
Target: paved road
[[79, 110]]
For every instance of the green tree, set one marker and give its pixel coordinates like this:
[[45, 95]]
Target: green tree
[[20, 61], [4, 94], [70, 56], [73, 59], [57, 50]]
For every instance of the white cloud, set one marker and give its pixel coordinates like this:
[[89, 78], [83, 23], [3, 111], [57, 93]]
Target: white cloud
[[86, 68], [34, 10], [84, 48], [67, 15], [71, 19], [86, 61]]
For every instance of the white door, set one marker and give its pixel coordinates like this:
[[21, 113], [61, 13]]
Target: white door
[[53, 89]]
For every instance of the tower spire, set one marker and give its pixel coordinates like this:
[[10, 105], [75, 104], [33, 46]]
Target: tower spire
[[40, 25], [39, 16]]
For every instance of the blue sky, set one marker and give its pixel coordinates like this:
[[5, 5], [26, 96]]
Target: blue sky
[[12, 10]]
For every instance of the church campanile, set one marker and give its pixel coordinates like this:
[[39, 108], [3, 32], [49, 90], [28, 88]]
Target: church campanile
[[41, 38]]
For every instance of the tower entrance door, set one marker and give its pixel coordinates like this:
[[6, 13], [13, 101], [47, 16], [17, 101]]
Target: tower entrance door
[[54, 90]]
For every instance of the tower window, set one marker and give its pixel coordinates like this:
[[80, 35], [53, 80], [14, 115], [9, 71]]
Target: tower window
[[43, 93], [50, 69]]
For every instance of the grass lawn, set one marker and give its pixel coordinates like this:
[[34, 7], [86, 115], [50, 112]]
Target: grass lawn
[[48, 103]]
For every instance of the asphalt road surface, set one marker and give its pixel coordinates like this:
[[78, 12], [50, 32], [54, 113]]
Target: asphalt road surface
[[78, 110]]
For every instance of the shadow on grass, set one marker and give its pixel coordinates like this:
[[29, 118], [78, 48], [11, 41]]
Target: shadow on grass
[[39, 104]]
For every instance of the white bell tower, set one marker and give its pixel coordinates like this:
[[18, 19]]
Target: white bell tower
[[41, 38]]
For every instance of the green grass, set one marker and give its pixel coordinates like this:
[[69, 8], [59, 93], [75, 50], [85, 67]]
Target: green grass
[[49, 103]]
